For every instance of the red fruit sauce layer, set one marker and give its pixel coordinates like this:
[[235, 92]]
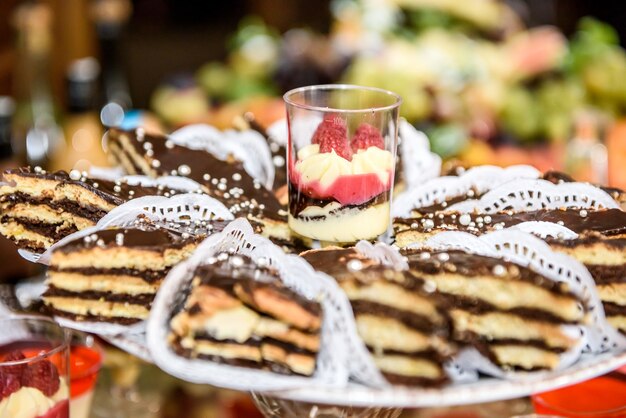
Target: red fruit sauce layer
[[60, 410], [354, 189]]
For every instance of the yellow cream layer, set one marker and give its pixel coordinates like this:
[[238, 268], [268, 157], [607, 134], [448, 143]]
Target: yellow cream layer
[[525, 357], [121, 284], [408, 366], [86, 307], [348, 226], [328, 167]]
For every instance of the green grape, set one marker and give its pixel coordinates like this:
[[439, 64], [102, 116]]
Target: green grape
[[448, 140], [520, 115]]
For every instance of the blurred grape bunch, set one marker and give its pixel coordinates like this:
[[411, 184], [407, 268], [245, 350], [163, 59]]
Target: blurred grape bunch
[[249, 67]]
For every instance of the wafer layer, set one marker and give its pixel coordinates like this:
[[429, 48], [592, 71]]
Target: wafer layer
[[113, 274], [238, 313]]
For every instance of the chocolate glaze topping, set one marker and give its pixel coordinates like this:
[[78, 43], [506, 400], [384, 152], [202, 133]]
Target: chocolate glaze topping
[[224, 273], [299, 201], [148, 238], [227, 181], [114, 192], [608, 221], [141, 299]]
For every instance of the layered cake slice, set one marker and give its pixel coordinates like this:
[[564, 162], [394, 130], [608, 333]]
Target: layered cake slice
[[406, 333], [113, 275], [239, 313], [226, 181], [339, 189], [38, 208], [606, 261], [509, 313], [608, 222]]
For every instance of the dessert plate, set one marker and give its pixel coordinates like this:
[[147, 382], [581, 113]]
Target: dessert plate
[[483, 390]]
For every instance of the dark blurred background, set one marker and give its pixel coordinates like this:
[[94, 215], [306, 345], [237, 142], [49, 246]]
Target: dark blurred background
[[166, 37]]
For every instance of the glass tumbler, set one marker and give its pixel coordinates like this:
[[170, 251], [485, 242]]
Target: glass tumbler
[[341, 160], [34, 379]]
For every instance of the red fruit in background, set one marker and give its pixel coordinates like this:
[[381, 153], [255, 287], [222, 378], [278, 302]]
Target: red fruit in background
[[9, 383], [367, 136], [331, 127], [42, 375], [17, 369]]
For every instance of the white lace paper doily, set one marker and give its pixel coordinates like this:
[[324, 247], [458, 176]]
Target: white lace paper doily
[[529, 195], [171, 182], [191, 208], [338, 329], [249, 147], [480, 179], [527, 250], [419, 163], [134, 344]]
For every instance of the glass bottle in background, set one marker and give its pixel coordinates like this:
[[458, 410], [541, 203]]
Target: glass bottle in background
[[37, 132], [586, 157], [82, 130], [15, 266], [110, 17]]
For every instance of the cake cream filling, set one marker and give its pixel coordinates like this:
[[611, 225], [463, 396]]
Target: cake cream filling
[[120, 284], [43, 213], [617, 321], [137, 159], [410, 236], [347, 226], [408, 366], [394, 296], [19, 232], [595, 253], [381, 333], [507, 294], [495, 325], [121, 257], [525, 357], [40, 188], [297, 362], [613, 292], [91, 307]]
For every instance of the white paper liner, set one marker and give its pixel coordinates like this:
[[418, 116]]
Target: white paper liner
[[481, 179], [529, 195], [189, 207], [527, 250], [249, 147], [546, 230], [171, 182], [339, 335], [419, 164], [279, 132], [382, 253]]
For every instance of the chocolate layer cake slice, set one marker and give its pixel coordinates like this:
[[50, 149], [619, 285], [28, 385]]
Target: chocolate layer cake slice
[[239, 313], [113, 275], [511, 314], [608, 222], [226, 181], [406, 333], [38, 208], [606, 261]]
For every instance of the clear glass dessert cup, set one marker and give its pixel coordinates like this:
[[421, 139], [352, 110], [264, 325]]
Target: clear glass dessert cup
[[85, 362], [341, 161], [34, 373]]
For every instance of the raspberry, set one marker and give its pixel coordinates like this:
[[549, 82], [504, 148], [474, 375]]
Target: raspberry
[[367, 136], [16, 369], [9, 383], [340, 146], [331, 127], [42, 375]]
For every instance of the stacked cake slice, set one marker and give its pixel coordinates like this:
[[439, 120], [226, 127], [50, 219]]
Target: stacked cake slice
[[113, 275], [397, 319], [239, 313], [606, 261], [509, 313], [608, 222], [38, 208], [226, 181]]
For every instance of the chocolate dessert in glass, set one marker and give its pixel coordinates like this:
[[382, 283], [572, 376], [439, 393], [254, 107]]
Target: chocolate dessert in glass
[[341, 161]]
